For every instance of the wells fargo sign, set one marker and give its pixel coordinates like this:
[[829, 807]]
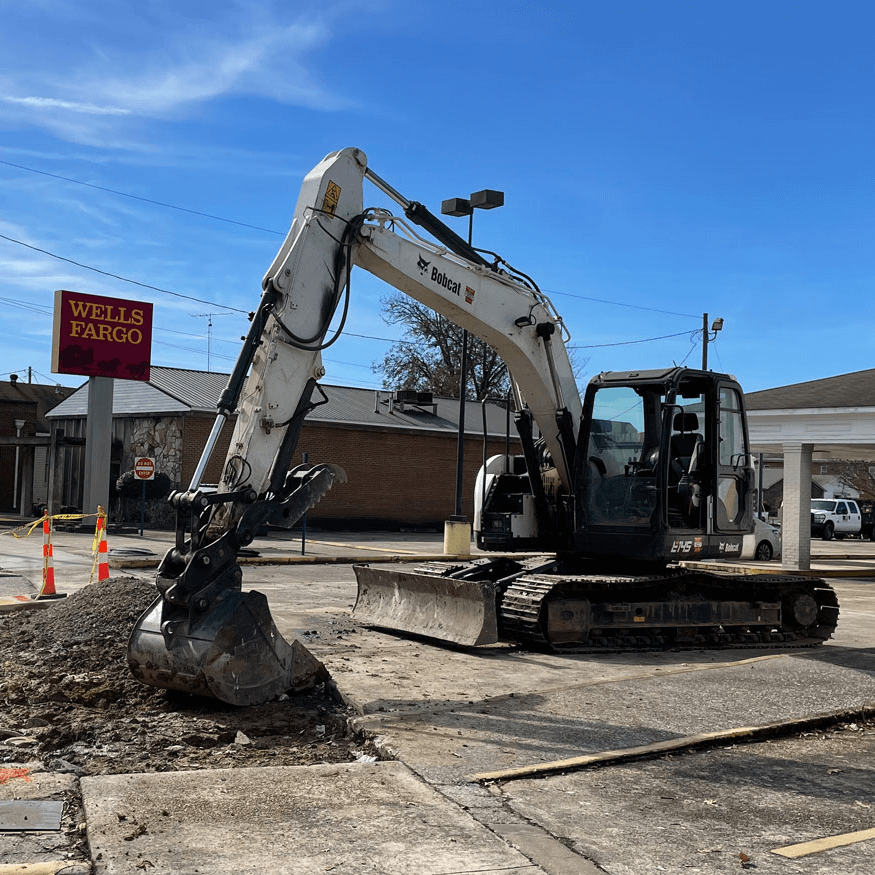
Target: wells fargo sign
[[101, 337]]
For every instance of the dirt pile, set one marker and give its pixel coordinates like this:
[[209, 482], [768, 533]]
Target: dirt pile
[[70, 702]]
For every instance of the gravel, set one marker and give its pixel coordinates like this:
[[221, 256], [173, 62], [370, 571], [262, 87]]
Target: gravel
[[70, 701]]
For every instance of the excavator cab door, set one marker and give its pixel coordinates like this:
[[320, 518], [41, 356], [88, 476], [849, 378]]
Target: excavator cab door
[[666, 471], [732, 504]]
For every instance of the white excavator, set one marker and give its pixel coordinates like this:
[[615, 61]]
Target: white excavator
[[587, 525]]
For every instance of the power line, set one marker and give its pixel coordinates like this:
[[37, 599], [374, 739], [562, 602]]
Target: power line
[[217, 355], [621, 304], [144, 199], [626, 342], [281, 233], [122, 278], [33, 309], [347, 333], [267, 231]]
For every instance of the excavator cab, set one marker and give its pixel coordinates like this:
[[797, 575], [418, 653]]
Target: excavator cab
[[662, 472], [666, 470]]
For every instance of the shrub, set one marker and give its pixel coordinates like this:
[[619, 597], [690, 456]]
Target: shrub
[[128, 486]]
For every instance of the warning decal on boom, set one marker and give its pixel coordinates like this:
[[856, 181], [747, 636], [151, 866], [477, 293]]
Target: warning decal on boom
[[332, 197]]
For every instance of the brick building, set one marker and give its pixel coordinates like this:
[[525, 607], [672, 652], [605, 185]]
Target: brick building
[[24, 440], [399, 456]]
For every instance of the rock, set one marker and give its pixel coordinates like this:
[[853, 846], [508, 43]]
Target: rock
[[21, 741], [65, 767]]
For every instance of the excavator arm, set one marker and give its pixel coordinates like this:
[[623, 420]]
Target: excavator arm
[[203, 634]]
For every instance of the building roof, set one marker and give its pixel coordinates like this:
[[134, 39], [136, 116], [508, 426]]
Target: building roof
[[174, 391], [168, 390], [373, 408], [44, 397], [845, 390]]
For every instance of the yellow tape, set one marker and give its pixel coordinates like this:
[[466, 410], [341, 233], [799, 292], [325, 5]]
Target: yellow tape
[[95, 544], [55, 516], [29, 526]]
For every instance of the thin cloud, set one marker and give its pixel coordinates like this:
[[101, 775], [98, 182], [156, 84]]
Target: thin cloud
[[73, 106], [104, 91], [267, 64]]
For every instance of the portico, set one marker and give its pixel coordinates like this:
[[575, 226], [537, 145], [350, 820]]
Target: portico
[[833, 418]]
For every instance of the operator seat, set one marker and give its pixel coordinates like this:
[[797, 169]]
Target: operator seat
[[685, 449], [684, 442]]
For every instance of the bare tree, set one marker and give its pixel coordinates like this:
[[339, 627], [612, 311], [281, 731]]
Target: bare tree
[[857, 475], [429, 358]]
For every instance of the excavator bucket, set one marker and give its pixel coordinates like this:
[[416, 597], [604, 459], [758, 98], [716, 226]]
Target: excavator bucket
[[456, 611], [232, 652]]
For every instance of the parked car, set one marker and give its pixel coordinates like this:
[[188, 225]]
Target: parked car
[[764, 544], [835, 518]]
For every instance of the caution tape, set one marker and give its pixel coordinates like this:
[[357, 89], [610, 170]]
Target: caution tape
[[55, 516], [99, 548]]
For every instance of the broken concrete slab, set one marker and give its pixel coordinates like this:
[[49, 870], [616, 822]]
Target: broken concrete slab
[[345, 819]]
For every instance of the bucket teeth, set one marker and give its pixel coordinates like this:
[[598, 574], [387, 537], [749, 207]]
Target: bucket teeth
[[232, 652]]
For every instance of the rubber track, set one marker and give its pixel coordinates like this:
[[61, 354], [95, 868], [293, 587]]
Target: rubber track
[[521, 606]]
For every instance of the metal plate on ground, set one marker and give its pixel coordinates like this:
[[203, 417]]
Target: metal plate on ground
[[14, 584], [30, 815]]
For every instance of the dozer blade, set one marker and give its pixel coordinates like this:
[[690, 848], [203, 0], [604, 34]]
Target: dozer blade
[[232, 652], [458, 611]]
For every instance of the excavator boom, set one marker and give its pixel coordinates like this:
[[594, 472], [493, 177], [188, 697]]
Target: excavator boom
[[202, 631]]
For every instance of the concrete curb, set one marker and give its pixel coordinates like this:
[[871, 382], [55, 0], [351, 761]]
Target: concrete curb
[[309, 560], [153, 562], [752, 571], [8, 604], [674, 745], [55, 867]]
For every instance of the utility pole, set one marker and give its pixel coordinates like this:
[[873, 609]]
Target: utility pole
[[704, 341], [709, 337]]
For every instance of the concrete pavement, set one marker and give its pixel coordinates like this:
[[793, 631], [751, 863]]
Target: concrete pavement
[[462, 724]]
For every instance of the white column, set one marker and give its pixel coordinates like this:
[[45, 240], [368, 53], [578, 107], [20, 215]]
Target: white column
[[796, 522]]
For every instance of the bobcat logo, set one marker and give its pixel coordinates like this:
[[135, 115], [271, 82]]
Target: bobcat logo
[[422, 264]]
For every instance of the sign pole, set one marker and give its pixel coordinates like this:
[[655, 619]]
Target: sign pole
[[144, 469], [98, 443]]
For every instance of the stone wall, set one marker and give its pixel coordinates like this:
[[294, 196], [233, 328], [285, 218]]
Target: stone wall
[[159, 438]]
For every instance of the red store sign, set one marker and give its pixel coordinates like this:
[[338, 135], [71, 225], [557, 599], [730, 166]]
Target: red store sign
[[101, 337]]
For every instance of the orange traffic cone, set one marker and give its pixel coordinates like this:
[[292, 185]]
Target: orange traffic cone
[[47, 591], [102, 548]]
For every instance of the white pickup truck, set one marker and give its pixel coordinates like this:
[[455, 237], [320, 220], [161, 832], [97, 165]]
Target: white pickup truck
[[835, 517]]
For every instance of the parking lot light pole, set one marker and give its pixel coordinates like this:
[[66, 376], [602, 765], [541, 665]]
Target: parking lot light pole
[[486, 199]]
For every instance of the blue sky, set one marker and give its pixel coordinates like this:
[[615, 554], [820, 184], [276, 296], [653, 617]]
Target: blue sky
[[659, 160]]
